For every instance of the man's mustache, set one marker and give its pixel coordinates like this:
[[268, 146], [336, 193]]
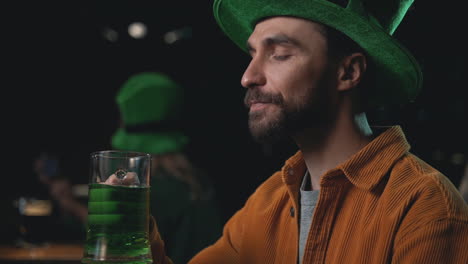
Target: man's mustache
[[256, 96]]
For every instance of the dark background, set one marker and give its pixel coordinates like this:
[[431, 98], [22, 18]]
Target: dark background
[[61, 74]]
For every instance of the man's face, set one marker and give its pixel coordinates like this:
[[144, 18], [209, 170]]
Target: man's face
[[289, 78]]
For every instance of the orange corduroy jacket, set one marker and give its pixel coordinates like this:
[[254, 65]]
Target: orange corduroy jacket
[[383, 205]]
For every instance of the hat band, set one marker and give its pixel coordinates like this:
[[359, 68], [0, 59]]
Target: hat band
[[158, 126]]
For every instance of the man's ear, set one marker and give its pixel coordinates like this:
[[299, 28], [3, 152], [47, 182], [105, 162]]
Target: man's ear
[[350, 71]]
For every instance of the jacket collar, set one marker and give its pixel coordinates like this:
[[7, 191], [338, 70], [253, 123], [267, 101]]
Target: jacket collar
[[365, 169]]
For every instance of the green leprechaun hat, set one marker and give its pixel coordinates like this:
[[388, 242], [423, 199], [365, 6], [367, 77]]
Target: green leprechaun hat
[[370, 23], [150, 105]]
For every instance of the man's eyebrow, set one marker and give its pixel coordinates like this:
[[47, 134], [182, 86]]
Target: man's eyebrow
[[279, 39]]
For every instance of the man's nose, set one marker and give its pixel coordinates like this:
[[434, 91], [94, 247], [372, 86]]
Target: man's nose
[[254, 75]]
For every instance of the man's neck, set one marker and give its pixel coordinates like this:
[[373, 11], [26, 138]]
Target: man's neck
[[327, 147]]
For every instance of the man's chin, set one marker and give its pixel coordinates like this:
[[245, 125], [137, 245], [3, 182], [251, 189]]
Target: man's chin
[[267, 135], [267, 127]]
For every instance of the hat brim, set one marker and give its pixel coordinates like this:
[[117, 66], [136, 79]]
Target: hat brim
[[153, 143], [398, 75]]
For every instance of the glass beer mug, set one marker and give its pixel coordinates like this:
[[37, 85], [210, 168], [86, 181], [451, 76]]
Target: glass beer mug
[[118, 208]]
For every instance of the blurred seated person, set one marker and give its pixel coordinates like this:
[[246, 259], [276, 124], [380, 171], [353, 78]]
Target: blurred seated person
[[182, 196], [70, 208]]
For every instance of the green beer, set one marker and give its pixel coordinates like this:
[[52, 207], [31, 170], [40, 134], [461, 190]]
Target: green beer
[[118, 224]]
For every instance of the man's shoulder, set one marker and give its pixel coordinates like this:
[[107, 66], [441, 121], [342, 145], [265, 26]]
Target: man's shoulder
[[414, 182], [410, 170]]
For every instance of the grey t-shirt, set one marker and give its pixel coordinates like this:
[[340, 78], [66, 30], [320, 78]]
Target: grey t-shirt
[[308, 200]]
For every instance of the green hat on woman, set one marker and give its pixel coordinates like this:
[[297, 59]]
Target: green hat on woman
[[370, 23], [150, 105]]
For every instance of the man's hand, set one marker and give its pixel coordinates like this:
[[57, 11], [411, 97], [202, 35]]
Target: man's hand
[[130, 178]]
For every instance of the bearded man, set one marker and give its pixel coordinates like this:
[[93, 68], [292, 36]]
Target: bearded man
[[353, 193]]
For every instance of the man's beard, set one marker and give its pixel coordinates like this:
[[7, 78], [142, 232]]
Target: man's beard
[[277, 126]]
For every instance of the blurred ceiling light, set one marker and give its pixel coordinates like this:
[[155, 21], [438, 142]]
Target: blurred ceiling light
[[110, 34], [170, 37], [137, 30], [175, 35], [458, 159]]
